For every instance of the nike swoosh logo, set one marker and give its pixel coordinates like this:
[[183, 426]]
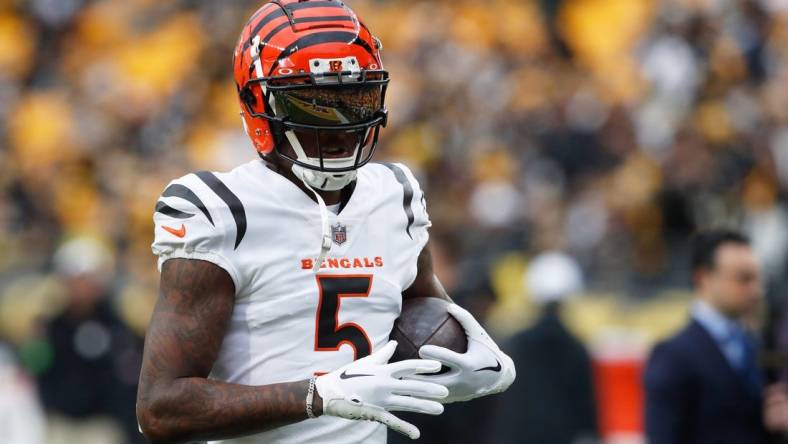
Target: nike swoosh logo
[[497, 368], [179, 232], [344, 375]]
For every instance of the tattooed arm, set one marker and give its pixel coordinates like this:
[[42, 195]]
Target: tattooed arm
[[176, 402], [426, 283]]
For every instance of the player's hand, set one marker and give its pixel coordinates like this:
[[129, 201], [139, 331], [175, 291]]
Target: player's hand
[[482, 370], [370, 387]]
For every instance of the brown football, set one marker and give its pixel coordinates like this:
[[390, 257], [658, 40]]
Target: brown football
[[426, 321]]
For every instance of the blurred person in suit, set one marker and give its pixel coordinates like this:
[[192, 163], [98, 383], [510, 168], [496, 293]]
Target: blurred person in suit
[[552, 401], [84, 391], [703, 385]]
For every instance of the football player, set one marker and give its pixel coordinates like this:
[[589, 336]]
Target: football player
[[281, 279]]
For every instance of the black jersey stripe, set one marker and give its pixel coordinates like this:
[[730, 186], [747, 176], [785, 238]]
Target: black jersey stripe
[[229, 198], [167, 210], [178, 190], [319, 38], [407, 195]]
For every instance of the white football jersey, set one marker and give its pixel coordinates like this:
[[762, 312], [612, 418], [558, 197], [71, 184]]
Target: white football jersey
[[290, 323]]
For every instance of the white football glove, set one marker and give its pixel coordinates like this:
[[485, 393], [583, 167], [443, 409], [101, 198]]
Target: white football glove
[[482, 370], [369, 387]]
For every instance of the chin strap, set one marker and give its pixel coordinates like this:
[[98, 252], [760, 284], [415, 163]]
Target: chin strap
[[325, 245]]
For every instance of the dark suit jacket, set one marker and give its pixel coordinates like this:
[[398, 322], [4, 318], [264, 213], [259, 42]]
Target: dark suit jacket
[[693, 395]]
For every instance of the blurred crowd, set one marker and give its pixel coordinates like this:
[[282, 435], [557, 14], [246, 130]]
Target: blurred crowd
[[608, 129]]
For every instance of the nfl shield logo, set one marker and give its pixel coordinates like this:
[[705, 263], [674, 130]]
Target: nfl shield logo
[[339, 233]]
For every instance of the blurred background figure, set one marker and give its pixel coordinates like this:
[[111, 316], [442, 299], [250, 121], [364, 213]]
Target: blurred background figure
[[21, 418], [83, 391], [552, 399], [704, 384], [775, 411]]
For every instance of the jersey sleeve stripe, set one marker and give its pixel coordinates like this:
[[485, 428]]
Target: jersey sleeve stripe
[[229, 198], [178, 190], [167, 210], [407, 195]]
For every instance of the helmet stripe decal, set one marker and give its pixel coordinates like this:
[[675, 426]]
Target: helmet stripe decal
[[167, 210], [255, 15], [313, 4], [407, 193], [265, 20], [178, 190], [279, 12], [229, 198], [254, 51], [329, 18], [320, 38]]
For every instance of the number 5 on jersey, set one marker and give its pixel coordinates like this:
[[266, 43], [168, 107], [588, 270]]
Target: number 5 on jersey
[[329, 334]]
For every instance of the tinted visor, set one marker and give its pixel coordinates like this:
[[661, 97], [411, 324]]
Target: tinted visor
[[329, 106]]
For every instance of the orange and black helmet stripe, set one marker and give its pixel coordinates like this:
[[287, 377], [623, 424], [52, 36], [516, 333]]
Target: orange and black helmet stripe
[[282, 26], [319, 38], [279, 11]]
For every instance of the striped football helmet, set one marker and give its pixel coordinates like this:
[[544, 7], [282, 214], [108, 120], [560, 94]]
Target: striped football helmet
[[311, 87]]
